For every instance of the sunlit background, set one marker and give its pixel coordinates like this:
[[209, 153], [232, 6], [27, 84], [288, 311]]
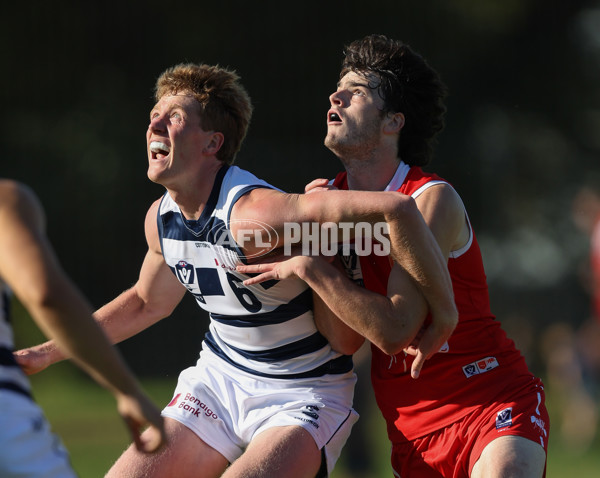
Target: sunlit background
[[521, 141]]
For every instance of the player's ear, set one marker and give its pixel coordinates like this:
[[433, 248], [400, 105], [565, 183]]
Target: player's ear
[[394, 122], [214, 144]]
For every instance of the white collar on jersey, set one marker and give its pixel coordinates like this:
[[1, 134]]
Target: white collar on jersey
[[399, 177]]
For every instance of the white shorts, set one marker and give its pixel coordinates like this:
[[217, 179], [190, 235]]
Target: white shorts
[[227, 407], [28, 448]]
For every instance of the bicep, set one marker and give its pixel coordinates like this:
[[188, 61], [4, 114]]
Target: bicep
[[406, 299], [157, 286], [444, 213]]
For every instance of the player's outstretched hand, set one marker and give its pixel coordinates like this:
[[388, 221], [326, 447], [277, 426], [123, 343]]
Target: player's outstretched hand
[[283, 269], [32, 360], [139, 412]]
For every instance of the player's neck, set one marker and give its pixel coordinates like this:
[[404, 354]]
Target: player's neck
[[370, 175], [192, 195]]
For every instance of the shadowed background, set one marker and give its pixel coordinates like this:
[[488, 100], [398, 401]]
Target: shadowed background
[[521, 134]]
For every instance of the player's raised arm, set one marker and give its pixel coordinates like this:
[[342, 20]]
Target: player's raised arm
[[413, 245]]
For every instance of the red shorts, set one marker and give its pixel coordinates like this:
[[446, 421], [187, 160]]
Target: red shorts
[[452, 451]]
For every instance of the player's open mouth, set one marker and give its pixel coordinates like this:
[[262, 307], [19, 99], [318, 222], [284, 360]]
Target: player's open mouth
[[159, 150], [333, 117]]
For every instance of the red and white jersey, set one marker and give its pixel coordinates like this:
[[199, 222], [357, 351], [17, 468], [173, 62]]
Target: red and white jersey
[[481, 363]]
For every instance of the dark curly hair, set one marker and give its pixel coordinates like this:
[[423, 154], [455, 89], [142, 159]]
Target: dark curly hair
[[408, 85]]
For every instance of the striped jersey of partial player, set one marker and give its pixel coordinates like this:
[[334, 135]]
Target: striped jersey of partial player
[[11, 375], [265, 329]]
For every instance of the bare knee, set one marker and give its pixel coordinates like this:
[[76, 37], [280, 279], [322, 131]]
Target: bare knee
[[288, 451], [510, 457], [132, 463], [183, 454]]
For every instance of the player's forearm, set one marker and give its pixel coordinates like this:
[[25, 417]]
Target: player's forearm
[[387, 324], [85, 343], [415, 249], [413, 246], [349, 206], [126, 315], [66, 312], [342, 338], [76, 335]]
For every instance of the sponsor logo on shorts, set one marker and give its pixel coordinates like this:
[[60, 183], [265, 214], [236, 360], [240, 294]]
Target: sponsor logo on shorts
[[174, 401], [504, 418], [193, 405], [312, 412], [539, 424], [481, 366]]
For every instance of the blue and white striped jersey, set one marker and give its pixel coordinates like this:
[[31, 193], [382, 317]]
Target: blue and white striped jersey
[[11, 375], [265, 329], [6, 334]]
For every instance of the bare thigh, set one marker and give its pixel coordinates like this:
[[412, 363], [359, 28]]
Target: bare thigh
[[511, 457], [182, 456], [280, 451]]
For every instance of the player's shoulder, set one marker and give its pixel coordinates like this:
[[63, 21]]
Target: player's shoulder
[[236, 176], [440, 194], [242, 189], [156, 204], [153, 210], [11, 190], [20, 206], [258, 199], [19, 197]]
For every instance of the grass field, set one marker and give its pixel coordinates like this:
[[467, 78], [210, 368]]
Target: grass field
[[84, 416]]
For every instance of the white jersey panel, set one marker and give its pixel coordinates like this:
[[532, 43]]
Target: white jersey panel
[[266, 329]]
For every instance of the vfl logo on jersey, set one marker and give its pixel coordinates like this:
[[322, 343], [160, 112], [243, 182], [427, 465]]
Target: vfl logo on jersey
[[351, 264], [504, 418], [185, 272], [481, 366]]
